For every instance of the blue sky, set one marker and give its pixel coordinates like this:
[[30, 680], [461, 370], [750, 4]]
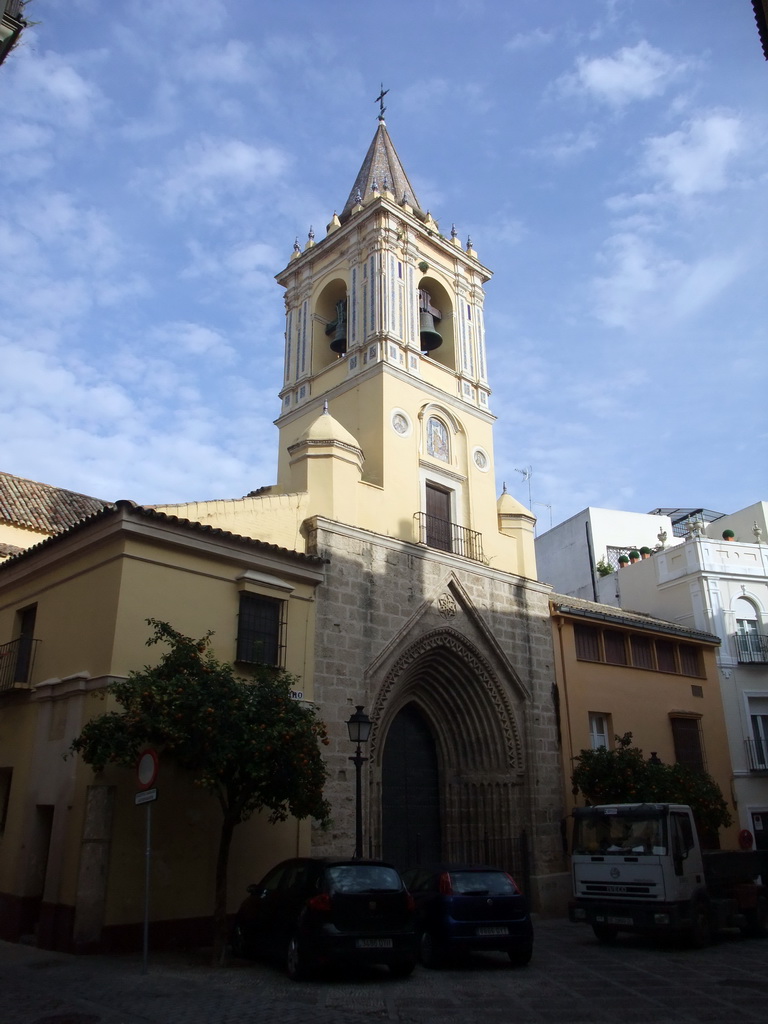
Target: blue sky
[[608, 158]]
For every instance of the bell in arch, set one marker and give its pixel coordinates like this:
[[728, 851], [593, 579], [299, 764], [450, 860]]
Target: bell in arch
[[430, 339], [338, 328]]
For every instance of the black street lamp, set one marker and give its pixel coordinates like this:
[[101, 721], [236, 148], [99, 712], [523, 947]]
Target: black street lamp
[[359, 726]]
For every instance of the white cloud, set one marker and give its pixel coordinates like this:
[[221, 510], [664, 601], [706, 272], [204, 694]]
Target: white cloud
[[210, 169], [53, 92], [532, 40], [645, 283], [568, 145], [193, 339], [637, 72], [695, 159]]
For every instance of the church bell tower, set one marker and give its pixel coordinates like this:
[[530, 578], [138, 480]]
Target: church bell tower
[[385, 418]]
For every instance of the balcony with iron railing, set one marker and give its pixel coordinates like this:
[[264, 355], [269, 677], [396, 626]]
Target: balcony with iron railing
[[17, 659], [447, 536], [751, 648], [756, 755]]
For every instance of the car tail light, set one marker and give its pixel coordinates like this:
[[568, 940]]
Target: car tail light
[[410, 902], [321, 902], [446, 889], [514, 883]]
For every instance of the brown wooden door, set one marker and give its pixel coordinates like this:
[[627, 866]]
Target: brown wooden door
[[438, 518]]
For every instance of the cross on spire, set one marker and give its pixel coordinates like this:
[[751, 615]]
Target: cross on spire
[[380, 101]]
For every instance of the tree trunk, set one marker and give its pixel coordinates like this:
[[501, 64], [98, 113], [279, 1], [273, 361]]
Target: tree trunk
[[220, 931]]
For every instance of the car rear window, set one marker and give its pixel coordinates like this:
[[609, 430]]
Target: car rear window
[[363, 878], [494, 883]]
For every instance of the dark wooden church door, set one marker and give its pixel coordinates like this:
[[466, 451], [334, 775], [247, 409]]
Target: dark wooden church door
[[410, 792]]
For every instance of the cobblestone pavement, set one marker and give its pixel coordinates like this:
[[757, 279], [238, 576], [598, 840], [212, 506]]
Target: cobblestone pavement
[[570, 979]]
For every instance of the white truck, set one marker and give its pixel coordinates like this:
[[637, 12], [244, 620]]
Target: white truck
[[640, 868]]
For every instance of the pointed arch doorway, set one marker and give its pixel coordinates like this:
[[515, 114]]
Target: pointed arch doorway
[[410, 797], [451, 759]]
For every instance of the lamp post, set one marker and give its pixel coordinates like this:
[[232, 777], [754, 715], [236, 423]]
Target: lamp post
[[359, 727]]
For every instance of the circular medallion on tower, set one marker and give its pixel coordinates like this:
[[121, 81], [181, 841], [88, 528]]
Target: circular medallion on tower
[[482, 461], [401, 423]]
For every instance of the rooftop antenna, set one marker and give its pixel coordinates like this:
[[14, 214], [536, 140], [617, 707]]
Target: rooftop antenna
[[526, 474], [545, 505]]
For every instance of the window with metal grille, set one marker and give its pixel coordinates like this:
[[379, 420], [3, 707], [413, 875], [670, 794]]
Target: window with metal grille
[[260, 630], [686, 735], [587, 643]]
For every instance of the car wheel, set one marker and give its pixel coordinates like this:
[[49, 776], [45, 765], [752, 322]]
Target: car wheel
[[296, 963], [700, 932], [430, 953], [241, 947], [605, 932], [402, 968], [520, 957]]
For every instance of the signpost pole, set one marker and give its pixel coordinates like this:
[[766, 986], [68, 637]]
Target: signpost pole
[[147, 859]]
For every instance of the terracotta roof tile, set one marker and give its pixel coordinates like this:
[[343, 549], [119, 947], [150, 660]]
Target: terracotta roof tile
[[42, 507]]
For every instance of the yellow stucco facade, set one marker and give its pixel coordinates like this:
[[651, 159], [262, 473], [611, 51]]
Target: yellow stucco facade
[[618, 672], [71, 870]]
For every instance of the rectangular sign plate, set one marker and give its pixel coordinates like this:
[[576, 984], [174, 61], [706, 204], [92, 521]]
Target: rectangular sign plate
[[146, 797]]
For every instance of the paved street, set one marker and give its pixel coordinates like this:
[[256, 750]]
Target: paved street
[[571, 978]]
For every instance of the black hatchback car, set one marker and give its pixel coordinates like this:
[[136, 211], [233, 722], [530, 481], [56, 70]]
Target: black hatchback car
[[462, 907], [315, 912]]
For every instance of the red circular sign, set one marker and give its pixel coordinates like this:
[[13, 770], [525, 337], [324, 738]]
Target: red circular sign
[[746, 839], [146, 768]]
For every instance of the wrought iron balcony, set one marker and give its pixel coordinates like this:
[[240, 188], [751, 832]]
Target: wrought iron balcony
[[447, 536], [17, 659], [751, 647], [756, 755]]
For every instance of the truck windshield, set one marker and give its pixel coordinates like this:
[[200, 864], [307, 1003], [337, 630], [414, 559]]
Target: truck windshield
[[611, 834]]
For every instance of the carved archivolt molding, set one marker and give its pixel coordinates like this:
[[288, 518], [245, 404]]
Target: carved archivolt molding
[[472, 691]]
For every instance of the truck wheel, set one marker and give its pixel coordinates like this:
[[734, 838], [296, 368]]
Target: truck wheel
[[701, 930], [757, 920], [605, 932]]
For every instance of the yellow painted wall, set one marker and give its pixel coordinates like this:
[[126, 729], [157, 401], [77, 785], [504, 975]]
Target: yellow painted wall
[[639, 701], [92, 605]]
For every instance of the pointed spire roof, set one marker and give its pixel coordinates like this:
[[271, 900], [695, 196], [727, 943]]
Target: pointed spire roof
[[381, 169]]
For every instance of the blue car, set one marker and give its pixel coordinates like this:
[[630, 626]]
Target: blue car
[[461, 908]]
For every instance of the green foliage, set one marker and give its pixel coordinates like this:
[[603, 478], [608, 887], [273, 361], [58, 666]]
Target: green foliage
[[623, 775], [604, 568], [245, 741]]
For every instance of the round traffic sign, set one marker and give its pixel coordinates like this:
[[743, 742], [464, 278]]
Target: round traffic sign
[[146, 768]]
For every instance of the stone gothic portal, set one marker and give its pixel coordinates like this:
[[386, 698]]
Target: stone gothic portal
[[451, 769], [410, 801]]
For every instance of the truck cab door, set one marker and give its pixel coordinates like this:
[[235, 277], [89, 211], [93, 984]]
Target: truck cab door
[[686, 858]]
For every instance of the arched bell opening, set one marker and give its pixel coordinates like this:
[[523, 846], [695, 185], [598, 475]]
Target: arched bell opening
[[436, 322], [446, 758], [330, 331]]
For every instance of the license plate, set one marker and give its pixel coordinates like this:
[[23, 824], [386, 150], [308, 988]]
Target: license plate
[[619, 920], [495, 930], [374, 943]]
